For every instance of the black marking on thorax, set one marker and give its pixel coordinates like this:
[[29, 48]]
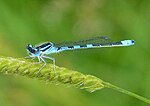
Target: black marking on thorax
[[44, 46]]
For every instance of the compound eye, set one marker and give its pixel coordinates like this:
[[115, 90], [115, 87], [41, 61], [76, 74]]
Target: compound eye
[[30, 49], [29, 46]]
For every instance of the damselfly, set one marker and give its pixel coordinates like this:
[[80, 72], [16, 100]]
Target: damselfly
[[41, 51]]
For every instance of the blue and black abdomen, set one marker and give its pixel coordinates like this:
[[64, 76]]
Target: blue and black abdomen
[[96, 45]]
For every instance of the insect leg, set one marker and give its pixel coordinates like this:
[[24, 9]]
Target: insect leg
[[53, 59], [40, 60]]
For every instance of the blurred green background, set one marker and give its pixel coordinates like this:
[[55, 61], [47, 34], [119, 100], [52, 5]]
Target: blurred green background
[[37, 21]]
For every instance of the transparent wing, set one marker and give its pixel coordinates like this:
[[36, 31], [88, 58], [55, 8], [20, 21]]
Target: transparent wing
[[94, 40]]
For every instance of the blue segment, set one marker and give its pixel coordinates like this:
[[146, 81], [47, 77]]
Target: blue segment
[[127, 42], [77, 47], [89, 45]]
